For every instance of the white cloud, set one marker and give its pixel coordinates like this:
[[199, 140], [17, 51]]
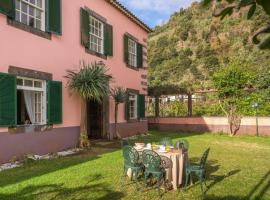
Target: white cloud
[[161, 6]]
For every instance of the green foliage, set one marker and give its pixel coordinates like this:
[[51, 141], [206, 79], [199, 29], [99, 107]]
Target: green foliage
[[253, 5], [119, 94], [211, 44], [184, 35], [90, 82], [232, 80]]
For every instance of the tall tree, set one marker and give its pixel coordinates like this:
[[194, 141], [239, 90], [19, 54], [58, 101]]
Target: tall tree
[[231, 83], [119, 95], [91, 82]]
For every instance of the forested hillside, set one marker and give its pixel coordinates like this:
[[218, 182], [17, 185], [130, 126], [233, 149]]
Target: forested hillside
[[193, 45]]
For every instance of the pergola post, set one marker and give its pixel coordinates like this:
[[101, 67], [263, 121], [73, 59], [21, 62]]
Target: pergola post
[[189, 104], [156, 106]]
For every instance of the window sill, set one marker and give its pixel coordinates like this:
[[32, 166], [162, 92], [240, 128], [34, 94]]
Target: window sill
[[132, 67], [29, 29], [95, 54], [28, 129]]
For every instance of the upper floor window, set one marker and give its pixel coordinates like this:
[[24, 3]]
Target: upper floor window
[[96, 35], [31, 13], [132, 53]]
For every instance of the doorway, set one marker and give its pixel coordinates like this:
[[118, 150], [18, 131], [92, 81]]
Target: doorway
[[94, 120]]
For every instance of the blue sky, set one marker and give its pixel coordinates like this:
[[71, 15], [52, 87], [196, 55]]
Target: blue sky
[[155, 12]]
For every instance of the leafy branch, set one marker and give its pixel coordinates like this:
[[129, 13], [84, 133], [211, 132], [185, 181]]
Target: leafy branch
[[253, 5]]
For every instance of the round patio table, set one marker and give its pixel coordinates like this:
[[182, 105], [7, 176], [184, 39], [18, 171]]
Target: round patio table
[[174, 171]]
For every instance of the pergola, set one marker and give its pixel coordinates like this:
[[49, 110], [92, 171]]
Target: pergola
[[158, 91]]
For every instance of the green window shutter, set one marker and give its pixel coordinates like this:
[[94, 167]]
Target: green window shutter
[[108, 40], [7, 7], [85, 28], [126, 57], [127, 111], [141, 106], [8, 100], [54, 16], [139, 55], [54, 102]]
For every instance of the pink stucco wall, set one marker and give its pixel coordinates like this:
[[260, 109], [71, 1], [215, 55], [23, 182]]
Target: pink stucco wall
[[22, 49], [210, 124]]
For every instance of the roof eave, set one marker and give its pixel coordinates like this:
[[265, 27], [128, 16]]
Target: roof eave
[[130, 15]]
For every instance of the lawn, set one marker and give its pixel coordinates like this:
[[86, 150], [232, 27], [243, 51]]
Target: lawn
[[238, 168]]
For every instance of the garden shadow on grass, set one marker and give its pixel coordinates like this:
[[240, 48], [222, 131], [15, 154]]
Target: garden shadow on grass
[[39, 168], [259, 189], [54, 191], [211, 168], [217, 179]]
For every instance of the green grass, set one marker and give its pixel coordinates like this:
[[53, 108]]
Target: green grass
[[238, 168]]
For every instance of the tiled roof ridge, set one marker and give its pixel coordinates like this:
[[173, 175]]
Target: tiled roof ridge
[[129, 14]]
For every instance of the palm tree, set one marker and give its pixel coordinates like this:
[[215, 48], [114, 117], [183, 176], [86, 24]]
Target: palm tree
[[91, 83], [119, 96]]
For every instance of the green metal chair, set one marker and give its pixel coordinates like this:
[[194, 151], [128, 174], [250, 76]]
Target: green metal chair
[[182, 143], [132, 161], [166, 141], [198, 170], [124, 142], [153, 167]]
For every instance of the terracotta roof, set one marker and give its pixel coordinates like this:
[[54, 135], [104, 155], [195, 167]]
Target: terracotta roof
[[130, 15]]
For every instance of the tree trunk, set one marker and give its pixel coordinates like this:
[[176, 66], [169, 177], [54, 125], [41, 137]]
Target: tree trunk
[[234, 120], [83, 117], [189, 105], [84, 140], [156, 106], [116, 121]]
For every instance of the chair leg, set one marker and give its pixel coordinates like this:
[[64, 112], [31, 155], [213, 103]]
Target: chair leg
[[136, 179], [159, 179], [145, 179], [187, 179]]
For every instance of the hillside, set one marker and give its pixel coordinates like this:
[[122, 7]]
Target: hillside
[[188, 49]]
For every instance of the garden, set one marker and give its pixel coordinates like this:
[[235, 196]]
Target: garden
[[237, 169]]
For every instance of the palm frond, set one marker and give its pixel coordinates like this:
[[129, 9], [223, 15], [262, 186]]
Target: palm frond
[[118, 94], [90, 82]]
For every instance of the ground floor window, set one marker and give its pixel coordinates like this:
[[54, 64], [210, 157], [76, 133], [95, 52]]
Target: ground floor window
[[31, 101], [133, 106]]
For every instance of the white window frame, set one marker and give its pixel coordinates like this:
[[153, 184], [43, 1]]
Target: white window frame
[[132, 52], [41, 9], [94, 36], [42, 90], [133, 97]]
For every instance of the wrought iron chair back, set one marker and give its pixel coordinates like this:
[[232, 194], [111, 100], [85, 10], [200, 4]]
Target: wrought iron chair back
[[124, 142], [204, 158], [131, 156], [166, 141], [166, 162], [151, 161]]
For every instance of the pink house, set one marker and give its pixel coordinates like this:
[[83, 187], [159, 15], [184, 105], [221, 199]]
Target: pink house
[[40, 41]]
